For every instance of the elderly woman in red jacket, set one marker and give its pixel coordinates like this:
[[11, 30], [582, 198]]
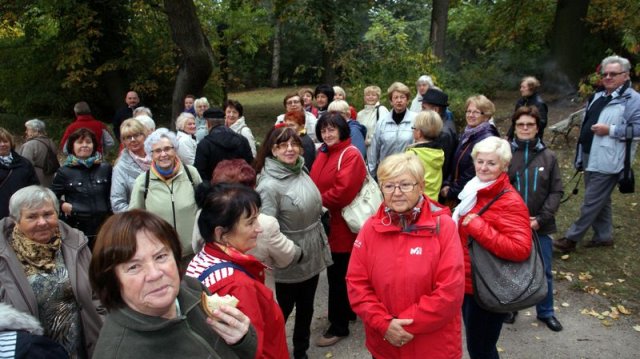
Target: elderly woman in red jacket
[[338, 172], [406, 274], [503, 229]]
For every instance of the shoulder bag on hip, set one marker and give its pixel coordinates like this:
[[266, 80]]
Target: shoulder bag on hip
[[627, 181], [366, 202], [502, 285]]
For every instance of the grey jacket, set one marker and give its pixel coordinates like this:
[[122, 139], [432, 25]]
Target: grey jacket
[[129, 334], [607, 152], [296, 202], [35, 150], [16, 290], [124, 174]]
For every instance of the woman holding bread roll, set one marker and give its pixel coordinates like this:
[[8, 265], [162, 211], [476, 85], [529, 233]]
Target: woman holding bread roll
[[230, 227], [153, 312]]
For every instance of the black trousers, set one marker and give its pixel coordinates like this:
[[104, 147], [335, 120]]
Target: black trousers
[[301, 295], [339, 307]]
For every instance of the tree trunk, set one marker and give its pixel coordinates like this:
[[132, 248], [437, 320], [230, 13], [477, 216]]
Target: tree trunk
[[275, 67], [439, 20], [197, 57], [567, 37]]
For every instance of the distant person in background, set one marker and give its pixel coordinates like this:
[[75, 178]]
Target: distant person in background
[[324, 96], [15, 171], [372, 112], [234, 119], [296, 121], [393, 132], [202, 129], [436, 100], [529, 91], [83, 185], [84, 119], [186, 135], [357, 131], [40, 150], [423, 83], [307, 96], [189, 104], [133, 161], [293, 102], [340, 94], [479, 116], [426, 132], [132, 100]]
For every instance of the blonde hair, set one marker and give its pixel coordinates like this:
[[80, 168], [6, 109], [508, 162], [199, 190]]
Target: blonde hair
[[398, 87], [374, 90], [495, 145], [340, 106], [339, 90], [131, 127], [532, 83], [483, 104], [182, 119], [399, 164], [429, 123]]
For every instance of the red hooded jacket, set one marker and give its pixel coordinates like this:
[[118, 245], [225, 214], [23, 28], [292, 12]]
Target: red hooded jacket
[[504, 229], [416, 274], [339, 188]]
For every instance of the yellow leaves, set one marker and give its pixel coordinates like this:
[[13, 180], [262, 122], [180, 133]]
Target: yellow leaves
[[565, 304], [585, 276], [564, 257], [636, 328], [328, 355], [623, 310], [607, 317]]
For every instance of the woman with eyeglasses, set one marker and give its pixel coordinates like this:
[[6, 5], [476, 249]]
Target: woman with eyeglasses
[[133, 161], [406, 273], [167, 188], [293, 103], [479, 116], [288, 194], [83, 183]]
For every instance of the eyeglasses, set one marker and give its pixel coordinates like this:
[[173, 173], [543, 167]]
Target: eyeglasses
[[285, 146], [133, 137], [404, 187], [474, 113], [525, 124], [293, 102], [612, 74], [166, 149]]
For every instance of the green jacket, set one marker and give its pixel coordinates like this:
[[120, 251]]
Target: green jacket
[[432, 157], [173, 202], [129, 334]]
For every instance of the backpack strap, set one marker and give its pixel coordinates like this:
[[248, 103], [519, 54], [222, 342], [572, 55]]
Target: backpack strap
[[377, 113], [186, 169], [207, 272], [146, 186]]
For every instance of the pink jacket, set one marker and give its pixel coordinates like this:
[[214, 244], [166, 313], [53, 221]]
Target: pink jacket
[[416, 274]]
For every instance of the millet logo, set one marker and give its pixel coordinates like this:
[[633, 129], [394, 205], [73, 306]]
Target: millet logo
[[417, 251]]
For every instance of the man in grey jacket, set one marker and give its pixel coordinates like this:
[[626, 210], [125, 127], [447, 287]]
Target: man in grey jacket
[[601, 152]]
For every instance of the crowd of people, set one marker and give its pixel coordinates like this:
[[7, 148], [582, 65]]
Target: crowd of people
[[206, 210]]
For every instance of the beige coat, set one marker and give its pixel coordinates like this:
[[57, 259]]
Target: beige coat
[[35, 150]]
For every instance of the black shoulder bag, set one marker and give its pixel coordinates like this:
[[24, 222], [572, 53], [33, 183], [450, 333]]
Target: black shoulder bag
[[502, 285], [627, 182]]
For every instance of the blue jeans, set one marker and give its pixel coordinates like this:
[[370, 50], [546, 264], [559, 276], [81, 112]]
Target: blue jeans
[[482, 328], [544, 309]]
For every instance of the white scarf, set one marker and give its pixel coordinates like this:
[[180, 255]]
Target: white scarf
[[469, 196]]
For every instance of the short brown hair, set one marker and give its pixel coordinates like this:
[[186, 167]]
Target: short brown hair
[[274, 137], [82, 133], [290, 95], [117, 243], [526, 110]]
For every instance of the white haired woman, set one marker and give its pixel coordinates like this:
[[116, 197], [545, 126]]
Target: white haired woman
[[39, 149], [423, 83], [201, 105], [186, 135], [503, 229], [46, 271], [168, 181]]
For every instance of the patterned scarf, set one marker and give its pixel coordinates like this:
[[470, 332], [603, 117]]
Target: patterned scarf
[[143, 162], [470, 131], [166, 175], [6, 160], [73, 161], [35, 257]]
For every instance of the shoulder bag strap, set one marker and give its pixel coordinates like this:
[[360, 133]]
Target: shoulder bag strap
[[146, 186], [628, 138], [486, 206], [222, 265], [342, 154], [6, 178]]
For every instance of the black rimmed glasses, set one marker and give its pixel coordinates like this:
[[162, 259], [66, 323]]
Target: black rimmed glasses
[[404, 187]]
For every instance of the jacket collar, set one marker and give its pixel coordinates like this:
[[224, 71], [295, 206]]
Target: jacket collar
[[426, 220], [533, 145], [501, 183], [338, 147]]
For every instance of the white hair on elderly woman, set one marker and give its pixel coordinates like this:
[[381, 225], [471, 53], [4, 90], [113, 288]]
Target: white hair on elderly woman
[[31, 197], [147, 122], [36, 125], [158, 135], [495, 145], [182, 119], [424, 79], [139, 111]]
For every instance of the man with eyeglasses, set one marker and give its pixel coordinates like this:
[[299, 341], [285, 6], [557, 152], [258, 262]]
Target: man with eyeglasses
[[601, 152], [221, 143], [84, 119]]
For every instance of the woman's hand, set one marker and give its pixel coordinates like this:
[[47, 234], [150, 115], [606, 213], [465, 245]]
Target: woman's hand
[[534, 223], [67, 208], [444, 191], [232, 325], [396, 335], [468, 218]]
